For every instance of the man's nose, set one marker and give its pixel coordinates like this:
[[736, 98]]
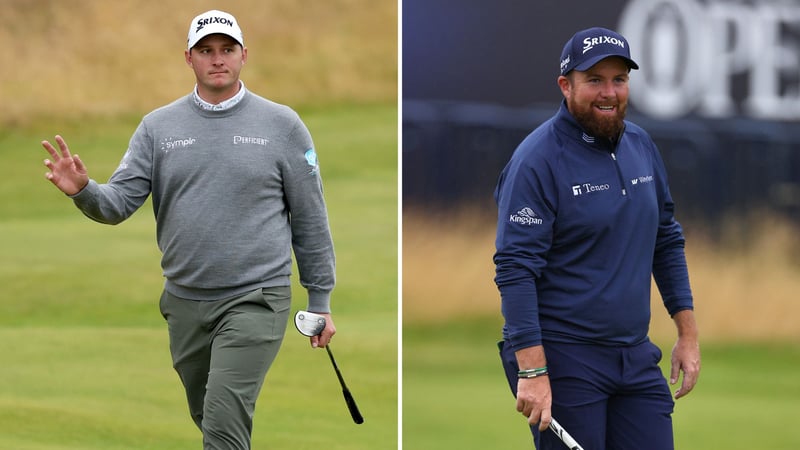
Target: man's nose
[[608, 89]]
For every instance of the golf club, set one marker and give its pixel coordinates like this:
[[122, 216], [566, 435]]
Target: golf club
[[311, 324], [565, 437]]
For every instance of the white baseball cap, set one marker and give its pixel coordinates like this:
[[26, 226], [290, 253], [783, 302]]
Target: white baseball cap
[[211, 22]]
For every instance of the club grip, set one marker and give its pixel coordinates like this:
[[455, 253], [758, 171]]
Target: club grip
[[562, 434], [351, 405]]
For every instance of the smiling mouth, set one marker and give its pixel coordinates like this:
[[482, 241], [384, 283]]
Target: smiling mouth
[[606, 108]]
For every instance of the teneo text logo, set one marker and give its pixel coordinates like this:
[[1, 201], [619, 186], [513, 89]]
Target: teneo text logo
[[590, 42], [525, 216], [208, 21], [173, 143], [585, 188], [642, 180]]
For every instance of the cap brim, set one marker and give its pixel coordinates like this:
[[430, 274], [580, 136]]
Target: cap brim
[[586, 65], [213, 30]]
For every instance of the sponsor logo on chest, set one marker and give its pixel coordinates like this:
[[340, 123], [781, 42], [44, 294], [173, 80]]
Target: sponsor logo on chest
[[588, 188]]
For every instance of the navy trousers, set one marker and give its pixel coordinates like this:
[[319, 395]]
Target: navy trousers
[[607, 398]]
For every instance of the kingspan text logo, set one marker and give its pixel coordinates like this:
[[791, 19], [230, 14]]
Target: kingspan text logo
[[525, 216]]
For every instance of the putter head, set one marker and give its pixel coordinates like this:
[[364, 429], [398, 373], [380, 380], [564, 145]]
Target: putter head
[[308, 323]]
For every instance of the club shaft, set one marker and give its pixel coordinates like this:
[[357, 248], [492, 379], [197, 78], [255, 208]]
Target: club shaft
[[348, 397], [565, 437], [336, 367]]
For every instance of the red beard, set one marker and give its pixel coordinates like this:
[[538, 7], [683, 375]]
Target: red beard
[[596, 124]]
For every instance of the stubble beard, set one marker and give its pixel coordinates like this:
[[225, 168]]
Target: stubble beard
[[598, 125]]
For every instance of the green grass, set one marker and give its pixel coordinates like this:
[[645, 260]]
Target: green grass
[[85, 358], [85, 361], [455, 395]]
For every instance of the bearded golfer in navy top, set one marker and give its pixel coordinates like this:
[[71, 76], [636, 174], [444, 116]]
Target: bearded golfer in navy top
[[585, 217]]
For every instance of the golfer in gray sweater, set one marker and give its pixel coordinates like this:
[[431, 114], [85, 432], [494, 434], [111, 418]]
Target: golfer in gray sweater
[[236, 187]]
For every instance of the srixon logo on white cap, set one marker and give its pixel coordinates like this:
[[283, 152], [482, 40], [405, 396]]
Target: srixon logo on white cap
[[209, 20]]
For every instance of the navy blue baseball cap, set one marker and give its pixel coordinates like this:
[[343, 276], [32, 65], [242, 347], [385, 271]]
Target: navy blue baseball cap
[[587, 47]]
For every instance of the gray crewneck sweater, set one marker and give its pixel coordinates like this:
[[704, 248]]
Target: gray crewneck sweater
[[234, 192]]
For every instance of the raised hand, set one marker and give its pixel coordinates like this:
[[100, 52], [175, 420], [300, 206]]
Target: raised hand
[[67, 171]]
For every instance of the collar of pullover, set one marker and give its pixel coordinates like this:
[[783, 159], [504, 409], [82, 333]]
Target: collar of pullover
[[222, 106]]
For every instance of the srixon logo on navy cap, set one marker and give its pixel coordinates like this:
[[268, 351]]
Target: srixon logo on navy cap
[[590, 42]]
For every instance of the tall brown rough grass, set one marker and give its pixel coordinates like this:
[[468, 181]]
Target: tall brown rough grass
[[90, 57], [742, 291]]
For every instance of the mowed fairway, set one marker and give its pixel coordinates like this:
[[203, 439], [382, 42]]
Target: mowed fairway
[[455, 395], [85, 359]]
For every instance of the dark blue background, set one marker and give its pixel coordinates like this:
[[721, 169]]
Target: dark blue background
[[478, 76]]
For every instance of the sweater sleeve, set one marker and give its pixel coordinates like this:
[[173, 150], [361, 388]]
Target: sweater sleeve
[[670, 270], [311, 237], [524, 235], [126, 190]]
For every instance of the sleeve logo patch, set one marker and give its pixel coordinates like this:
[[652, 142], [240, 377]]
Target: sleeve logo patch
[[311, 159], [525, 216]]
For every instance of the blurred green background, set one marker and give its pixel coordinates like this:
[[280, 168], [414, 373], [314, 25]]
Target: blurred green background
[[85, 357], [85, 360]]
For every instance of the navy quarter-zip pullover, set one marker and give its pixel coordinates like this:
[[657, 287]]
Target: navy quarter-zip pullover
[[582, 225]]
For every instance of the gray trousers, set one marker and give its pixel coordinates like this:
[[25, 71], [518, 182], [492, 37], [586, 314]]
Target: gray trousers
[[222, 351]]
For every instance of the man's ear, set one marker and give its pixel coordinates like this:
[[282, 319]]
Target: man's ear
[[187, 54], [565, 85]]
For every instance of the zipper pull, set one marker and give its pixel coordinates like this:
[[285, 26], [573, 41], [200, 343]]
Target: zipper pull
[[624, 191]]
